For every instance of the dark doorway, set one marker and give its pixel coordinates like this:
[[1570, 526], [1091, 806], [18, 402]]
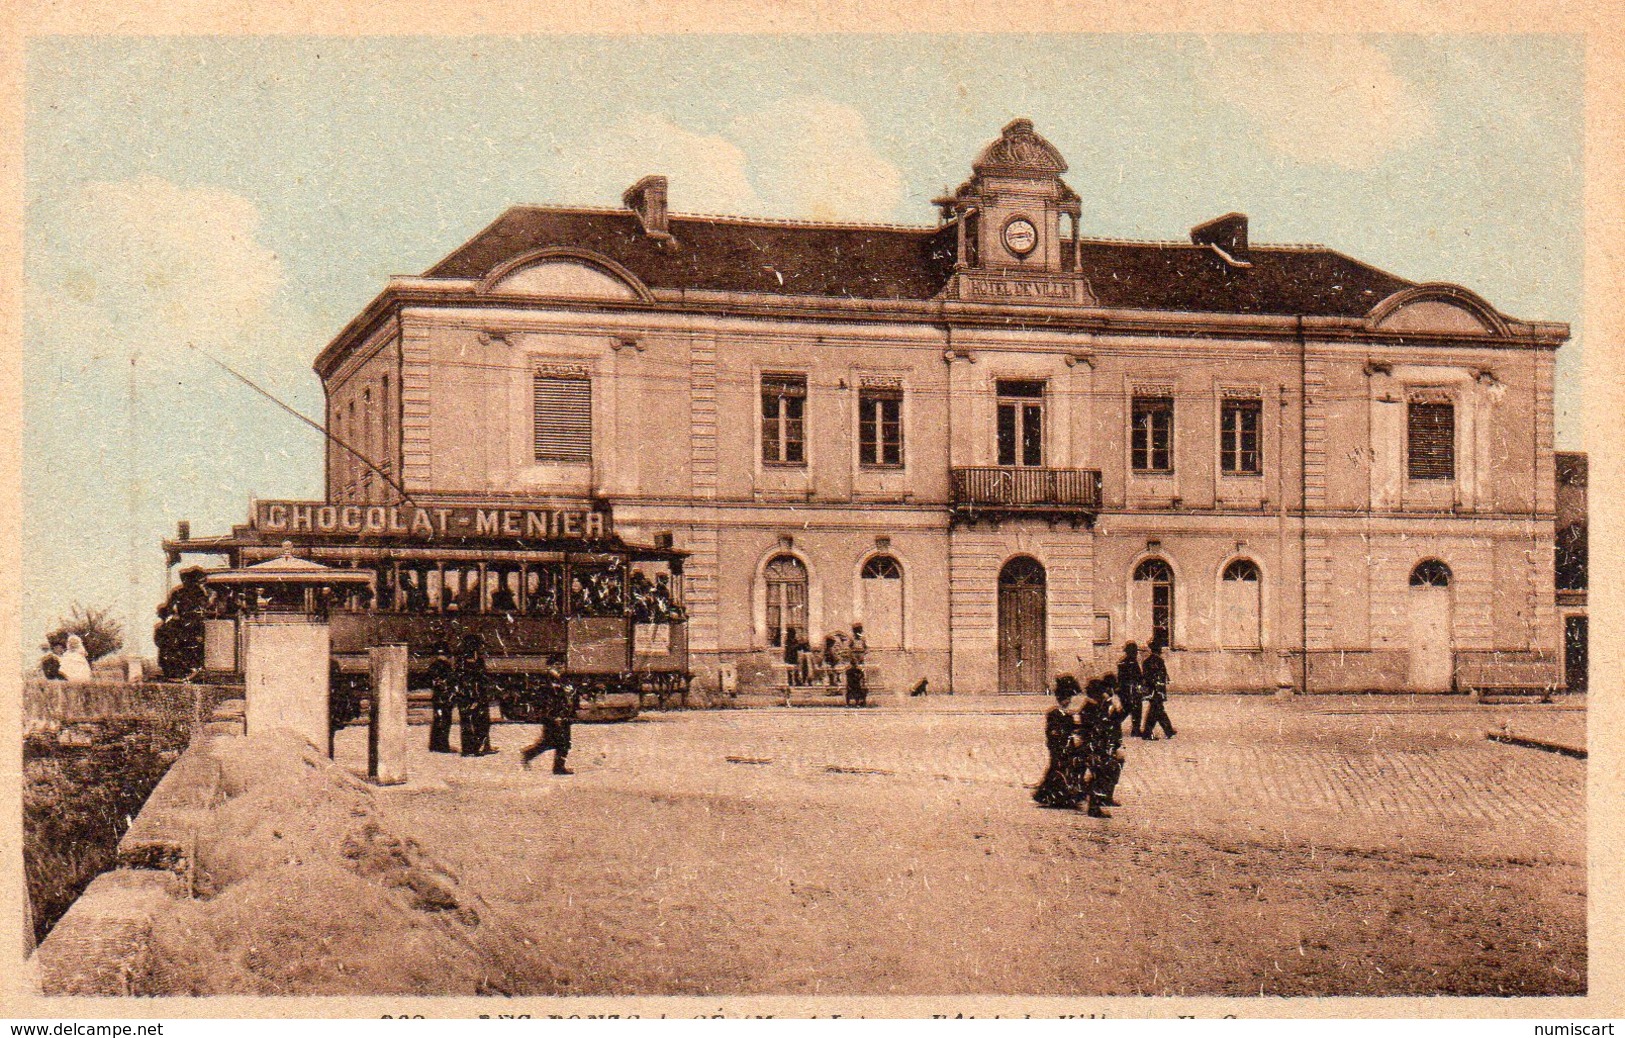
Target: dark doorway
[[1023, 656], [1574, 653]]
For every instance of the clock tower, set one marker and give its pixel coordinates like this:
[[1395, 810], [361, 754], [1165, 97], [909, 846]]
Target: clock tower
[[1011, 243]]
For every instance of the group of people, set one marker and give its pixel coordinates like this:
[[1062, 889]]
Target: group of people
[[1084, 730], [653, 601], [66, 661], [841, 661], [461, 685]]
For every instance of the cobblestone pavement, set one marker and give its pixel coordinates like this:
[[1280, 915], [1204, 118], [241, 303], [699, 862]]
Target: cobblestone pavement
[[1320, 771], [1309, 846]]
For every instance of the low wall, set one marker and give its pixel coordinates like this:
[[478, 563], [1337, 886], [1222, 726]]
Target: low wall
[[96, 755], [101, 942], [77, 702]]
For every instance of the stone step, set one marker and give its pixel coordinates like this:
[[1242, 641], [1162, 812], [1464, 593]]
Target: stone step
[[230, 710]]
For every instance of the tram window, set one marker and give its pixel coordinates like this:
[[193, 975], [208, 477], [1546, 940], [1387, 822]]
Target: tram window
[[413, 596], [504, 589], [653, 595], [463, 590], [386, 589], [544, 586], [597, 592]]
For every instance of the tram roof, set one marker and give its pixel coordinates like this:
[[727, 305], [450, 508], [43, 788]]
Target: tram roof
[[246, 538]]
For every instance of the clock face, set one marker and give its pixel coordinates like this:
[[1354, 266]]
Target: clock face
[[1020, 236]]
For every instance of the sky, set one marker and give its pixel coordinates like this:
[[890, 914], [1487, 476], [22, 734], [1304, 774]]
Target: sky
[[251, 195]]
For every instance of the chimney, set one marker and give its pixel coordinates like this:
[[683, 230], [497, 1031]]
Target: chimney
[[1227, 236], [647, 198]]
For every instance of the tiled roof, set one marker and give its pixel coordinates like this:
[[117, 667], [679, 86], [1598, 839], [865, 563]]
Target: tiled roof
[[1157, 276], [879, 262]]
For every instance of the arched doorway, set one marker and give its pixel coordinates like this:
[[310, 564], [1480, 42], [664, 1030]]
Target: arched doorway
[[786, 580], [1023, 655], [1151, 603], [1432, 648], [881, 581], [1240, 606]]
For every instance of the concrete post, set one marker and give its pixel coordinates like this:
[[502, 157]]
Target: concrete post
[[386, 718], [285, 678]]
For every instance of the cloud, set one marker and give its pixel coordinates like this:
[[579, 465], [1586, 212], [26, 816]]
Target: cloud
[[813, 157], [801, 156], [1324, 100], [124, 429], [709, 171], [155, 262]]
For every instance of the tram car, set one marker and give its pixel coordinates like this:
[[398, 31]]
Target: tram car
[[555, 597]]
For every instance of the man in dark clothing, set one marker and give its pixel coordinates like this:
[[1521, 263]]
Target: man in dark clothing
[[443, 699], [1130, 685], [1096, 728], [179, 636], [792, 658], [473, 697], [1112, 742], [1155, 674], [857, 694], [1059, 786], [559, 705]]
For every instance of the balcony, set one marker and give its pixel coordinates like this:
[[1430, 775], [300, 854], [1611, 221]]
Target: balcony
[[1067, 495]]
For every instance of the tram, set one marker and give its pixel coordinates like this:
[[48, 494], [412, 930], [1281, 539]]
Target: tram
[[555, 597]]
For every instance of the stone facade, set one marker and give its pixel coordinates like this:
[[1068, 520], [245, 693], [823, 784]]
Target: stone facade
[[1308, 470]]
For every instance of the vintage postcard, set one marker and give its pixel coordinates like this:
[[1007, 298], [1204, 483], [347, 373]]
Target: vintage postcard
[[886, 514]]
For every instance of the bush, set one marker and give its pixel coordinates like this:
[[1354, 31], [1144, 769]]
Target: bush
[[101, 633]]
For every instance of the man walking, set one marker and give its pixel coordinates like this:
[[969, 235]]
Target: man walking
[[1098, 730], [1130, 685], [1155, 674], [559, 705]]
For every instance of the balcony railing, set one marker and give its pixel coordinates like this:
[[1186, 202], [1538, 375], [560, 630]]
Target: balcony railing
[[1058, 492]]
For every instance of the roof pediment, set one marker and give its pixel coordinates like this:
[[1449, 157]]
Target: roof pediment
[[1437, 309], [567, 273]]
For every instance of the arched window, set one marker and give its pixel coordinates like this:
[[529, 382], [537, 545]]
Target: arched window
[[1430, 573], [1240, 606], [1153, 602], [882, 590], [882, 567], [786, 580]]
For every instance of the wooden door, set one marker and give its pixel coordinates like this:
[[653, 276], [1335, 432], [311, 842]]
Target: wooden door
[[1023, 655]]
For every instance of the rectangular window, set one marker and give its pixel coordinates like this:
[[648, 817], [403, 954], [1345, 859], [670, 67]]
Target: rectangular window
[[1152, 442], [784, 428], [880, 428], [1020, 429], [1239, 422], [563, 408], [1431, 438]]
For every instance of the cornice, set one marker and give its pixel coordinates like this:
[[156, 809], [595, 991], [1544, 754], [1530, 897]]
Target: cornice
[[463, 294]]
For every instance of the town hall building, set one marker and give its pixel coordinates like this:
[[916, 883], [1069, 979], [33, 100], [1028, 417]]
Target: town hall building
[[1004, 446]]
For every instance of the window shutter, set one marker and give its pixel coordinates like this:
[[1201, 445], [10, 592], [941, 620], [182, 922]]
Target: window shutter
[[1432, 435], [563, 419]]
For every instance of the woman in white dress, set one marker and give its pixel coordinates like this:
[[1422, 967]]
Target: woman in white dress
[[75, 664]]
